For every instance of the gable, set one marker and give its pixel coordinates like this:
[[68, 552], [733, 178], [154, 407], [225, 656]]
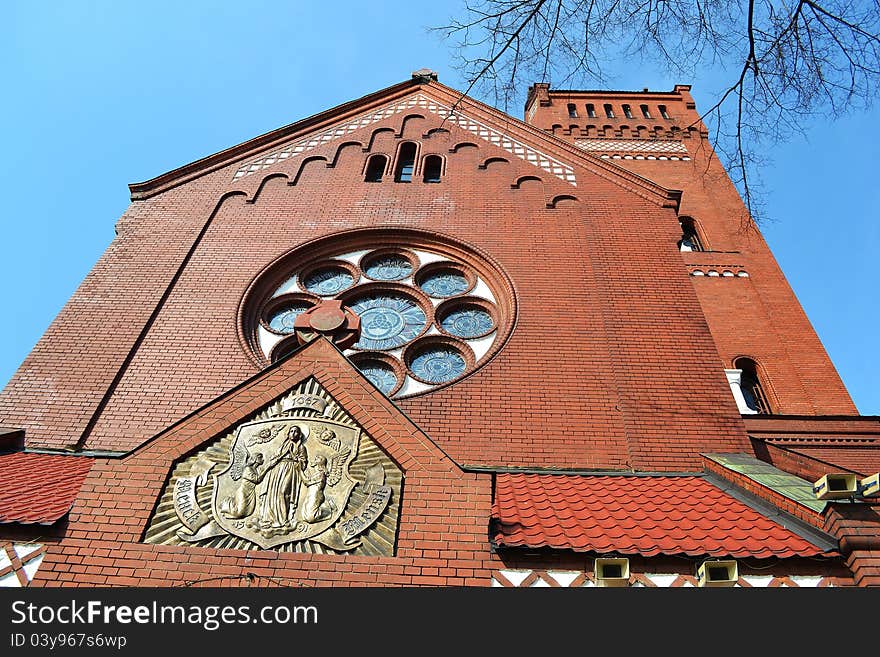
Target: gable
[[330, 489], [525, 142], [318, 468], [418, 100]]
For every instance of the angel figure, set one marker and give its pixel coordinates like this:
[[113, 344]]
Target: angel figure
[[316, 478], [328, 437], [241, 504]]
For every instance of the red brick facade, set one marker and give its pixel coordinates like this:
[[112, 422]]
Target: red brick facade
[[615, 360]]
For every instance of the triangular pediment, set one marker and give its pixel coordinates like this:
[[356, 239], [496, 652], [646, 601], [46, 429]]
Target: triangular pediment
[[307, 469], [525, 142]]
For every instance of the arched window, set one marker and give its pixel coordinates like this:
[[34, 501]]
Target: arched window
[[406, 160], [591, 110], [375, 168], [609, 112], [433, 168], [663, 113], [572, 111], [627, 112], [690, 238], [753, 392], [645, 112]]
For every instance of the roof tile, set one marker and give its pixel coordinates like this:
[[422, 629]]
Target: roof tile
[[39, 488], [636, 515]]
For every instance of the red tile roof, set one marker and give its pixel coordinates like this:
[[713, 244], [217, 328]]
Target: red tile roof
[[39, 488], [635, 515]]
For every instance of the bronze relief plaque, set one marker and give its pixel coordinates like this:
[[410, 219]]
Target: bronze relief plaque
[[299, 476]]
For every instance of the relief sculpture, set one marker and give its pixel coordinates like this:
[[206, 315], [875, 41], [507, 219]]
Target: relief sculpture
[[281, 481]]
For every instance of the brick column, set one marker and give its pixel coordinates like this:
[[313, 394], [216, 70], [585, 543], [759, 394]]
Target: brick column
[[857, 527]]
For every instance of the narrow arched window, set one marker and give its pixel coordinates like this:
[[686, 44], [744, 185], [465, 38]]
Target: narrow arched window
[[433, 168], [627, 112], [572, 111], [406, 160], [609, 112], [663, 113], [690, 238], [753, 391], [591, 110], [645, 113], [375, 168]]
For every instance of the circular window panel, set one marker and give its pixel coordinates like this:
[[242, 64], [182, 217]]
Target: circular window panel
[[388, 320], [437, 360], [328, 280], [444, 280], [389, 265], [382, 370], [468, 319], [281, 313], [392, 280]]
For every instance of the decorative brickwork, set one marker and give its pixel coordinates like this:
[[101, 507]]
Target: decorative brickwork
[[574, 335], [19, 563], [477, 128], [576, 579]]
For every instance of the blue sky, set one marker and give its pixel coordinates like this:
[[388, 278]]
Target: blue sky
[[102, 94]]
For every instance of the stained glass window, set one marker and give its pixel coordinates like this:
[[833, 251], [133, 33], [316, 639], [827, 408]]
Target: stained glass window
[[380, 374], [282, 319], [327, 281], [389, 298], [467, 322], [438, 364], [388, 320], [388, 268], [444, 283]]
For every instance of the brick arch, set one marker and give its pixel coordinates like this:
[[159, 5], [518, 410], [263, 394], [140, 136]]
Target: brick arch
[[265, 181], [565, 199], [303, 165], [462, 144], [348, 144], [493, 160], [373, 135], [517, 184], [406, 121]]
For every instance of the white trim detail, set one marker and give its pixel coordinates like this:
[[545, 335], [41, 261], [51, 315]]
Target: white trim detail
[[10, 581], [734, 378], [494, 137], [632, 145], [30, 568], [566, 578]]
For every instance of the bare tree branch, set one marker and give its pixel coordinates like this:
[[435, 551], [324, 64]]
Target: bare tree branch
[[793, 58]]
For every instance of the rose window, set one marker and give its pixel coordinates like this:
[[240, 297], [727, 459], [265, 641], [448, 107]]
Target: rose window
[[430, 312]]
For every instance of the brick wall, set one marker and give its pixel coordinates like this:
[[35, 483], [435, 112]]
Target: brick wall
[[759, 316], [610, 365], [443, 513]]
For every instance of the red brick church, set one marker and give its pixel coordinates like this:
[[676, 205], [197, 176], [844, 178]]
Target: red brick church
[[415, 341]]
